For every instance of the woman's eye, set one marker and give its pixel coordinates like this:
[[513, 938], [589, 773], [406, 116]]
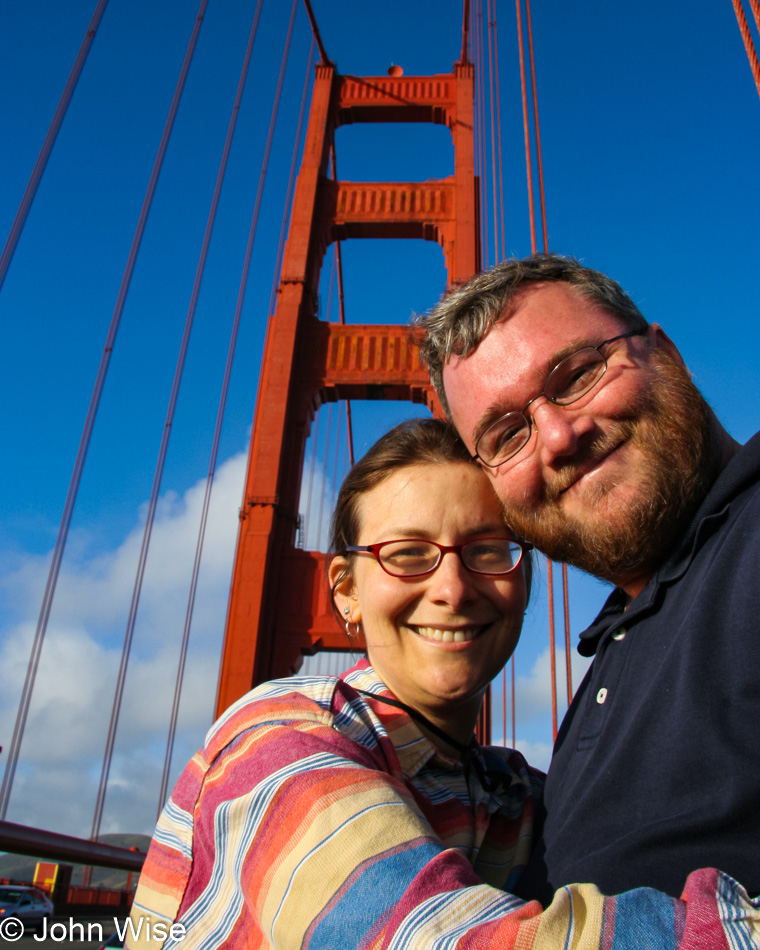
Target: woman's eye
[[485, 552], [406, 554]]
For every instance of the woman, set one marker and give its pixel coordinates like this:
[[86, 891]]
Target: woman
[[359, 811]]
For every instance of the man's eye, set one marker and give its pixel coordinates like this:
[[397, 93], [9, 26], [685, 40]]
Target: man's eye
[[507, 434], [578, 377]]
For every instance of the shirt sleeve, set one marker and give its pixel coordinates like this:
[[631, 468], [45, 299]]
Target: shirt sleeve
[[298, 837]]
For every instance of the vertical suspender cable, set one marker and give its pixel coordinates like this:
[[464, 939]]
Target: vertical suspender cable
[[342, 312], [281, 241], [503, 244], [291, 183], [500, 253], [262, 176], [526, 129], [324, 472], [483, 167], [532, 216], [210, 477], [568, 664], [90, 422], [126, 648], [47, 146], [491, 23], [539, 159], [312, 464], [465, 31], [514, 725], [749, 46], [545, 232]]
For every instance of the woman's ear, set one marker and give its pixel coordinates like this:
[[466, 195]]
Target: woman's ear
[[343, 589]]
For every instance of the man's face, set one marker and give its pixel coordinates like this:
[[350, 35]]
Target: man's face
[[607, 482]]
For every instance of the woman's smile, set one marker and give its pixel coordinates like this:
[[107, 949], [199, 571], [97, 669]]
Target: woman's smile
[[436, 639]]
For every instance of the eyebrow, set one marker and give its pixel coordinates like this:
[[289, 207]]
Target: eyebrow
[[496, 409], [419, 534]]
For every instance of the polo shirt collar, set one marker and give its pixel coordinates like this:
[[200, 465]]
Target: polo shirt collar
[[742, 470]]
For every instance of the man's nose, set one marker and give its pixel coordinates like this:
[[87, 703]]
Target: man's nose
[[559, 430]]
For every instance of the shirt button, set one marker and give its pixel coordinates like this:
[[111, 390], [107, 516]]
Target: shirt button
[[619, 634], [601, 695]]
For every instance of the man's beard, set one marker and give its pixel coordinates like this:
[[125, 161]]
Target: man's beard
[[673, 428]]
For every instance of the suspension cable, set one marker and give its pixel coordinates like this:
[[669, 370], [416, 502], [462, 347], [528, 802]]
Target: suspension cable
[[129, 632], [312, 464], [526, 129], [76, 477], [47, 146], [315, 31], [539, 158], [491, 25], [749, 45], [163, 792], [503, 244], [481, 130], [324, 473], [568, 663], [465, 31], [342, 311], [291, 183], [755, 6], [257, 205], [532, 219]]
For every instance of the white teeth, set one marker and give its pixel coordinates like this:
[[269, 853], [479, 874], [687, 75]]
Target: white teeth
[[447, 636]]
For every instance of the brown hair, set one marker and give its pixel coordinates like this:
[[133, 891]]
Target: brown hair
[[460, 321], [416, 441]]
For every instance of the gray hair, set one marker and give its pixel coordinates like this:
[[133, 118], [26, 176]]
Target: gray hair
[[459, 322]]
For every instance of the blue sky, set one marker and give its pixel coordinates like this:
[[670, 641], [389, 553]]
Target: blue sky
[[650, 126]]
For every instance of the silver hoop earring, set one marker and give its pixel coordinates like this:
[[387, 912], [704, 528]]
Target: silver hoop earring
[[353, 635]]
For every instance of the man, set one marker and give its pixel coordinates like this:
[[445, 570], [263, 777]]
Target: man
[[605, 455]]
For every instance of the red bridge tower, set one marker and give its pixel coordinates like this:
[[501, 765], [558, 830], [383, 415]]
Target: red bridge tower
[[279, 606]]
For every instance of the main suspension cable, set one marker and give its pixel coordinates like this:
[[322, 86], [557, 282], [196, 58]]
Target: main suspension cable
[[47, 146], [60, 545], [749, 45], [164, 789], [128, 635]]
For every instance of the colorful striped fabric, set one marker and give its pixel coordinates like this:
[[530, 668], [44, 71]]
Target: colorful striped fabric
[[315, 817]]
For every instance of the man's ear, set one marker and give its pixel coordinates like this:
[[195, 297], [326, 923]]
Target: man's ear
[[343, 589], [659, 340]]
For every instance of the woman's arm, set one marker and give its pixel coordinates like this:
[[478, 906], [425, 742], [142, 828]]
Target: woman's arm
[[295, 836]]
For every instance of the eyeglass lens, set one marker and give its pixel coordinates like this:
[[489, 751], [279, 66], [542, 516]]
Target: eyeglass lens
[[570, 379], [489, 556]]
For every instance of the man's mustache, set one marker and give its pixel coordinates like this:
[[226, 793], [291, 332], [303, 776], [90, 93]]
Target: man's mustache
[[587, 457]]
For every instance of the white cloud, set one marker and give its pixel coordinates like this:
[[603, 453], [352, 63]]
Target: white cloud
[[61, 755]]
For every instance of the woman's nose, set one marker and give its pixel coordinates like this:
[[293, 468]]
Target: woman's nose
[[451, 582]]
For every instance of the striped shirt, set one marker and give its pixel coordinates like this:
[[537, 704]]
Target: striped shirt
[[316, 817]]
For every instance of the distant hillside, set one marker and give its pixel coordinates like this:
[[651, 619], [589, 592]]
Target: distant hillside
[[21, 868]]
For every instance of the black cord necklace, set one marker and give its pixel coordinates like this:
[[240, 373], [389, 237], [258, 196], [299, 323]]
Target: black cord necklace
[[422, 720], [490, 781]]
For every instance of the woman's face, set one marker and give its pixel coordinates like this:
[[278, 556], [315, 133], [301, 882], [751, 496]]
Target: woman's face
[[404, 619]]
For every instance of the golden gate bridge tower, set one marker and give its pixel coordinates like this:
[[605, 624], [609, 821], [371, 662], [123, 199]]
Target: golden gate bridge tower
[[279, 606]]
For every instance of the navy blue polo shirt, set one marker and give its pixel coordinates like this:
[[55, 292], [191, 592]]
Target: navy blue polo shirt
[[656, 769]]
